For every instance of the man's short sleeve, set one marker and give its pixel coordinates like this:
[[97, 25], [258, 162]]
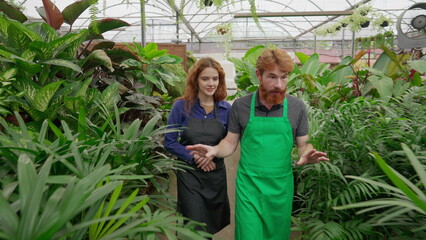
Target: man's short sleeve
[[303, 123], [234, 125]]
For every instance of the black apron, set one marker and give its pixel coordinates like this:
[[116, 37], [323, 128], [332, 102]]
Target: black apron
[[202, 196]]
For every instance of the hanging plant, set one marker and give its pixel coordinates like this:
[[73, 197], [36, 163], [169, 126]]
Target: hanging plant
[[331, 29], [382, 21], [384, 24], [389, 38], [208, 3], [224, 29], [365, 24], [224, 32], [379, 40]]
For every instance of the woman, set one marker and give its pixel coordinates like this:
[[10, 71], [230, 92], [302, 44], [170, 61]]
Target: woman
[[202, 116]]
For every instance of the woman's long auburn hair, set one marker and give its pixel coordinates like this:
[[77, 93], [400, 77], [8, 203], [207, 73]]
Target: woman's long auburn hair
[[191, 90]]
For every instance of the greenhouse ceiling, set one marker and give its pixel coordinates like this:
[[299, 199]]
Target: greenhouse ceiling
[[168, 21]]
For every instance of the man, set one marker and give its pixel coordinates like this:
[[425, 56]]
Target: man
[[267, 123]]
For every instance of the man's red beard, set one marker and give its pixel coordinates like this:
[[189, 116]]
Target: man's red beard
[[275, 96]]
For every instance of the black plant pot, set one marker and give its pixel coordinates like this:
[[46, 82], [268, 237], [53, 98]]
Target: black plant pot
[[365, 24], [384, 24], [208, 3]]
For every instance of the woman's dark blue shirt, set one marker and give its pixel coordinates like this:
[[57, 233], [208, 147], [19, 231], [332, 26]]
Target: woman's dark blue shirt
[[178, 119]]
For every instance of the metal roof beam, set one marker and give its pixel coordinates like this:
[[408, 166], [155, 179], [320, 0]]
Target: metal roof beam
[[184, 20], [294, 14]]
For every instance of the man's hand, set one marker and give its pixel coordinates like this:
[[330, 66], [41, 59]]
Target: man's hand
[[204, 153], [313, 156]]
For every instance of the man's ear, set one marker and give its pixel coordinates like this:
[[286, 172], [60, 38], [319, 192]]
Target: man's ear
[[258, 75]]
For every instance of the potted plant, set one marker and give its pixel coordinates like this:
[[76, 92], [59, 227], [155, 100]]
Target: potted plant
[[382, 21], [224, 32], [365, 24], [223, 29], [360, 18]]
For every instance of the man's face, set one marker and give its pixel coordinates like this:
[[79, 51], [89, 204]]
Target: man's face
[[273, 84]]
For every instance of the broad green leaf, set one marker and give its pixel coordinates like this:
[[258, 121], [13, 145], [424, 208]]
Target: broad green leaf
[[167, 59], [44, 95], [296, 70], [17, 40], [157, 82], [109, 96], [74, 10], [253, 53], [149, 126], [101, 57], [5, 53], [383, 62], [62, 63], [382, 83], [104, 45], [8, 74], [150, 47], [43, 50], [69, 42], [119, 55], [312, 65], [238, 63], [400, 87], [150, 54], [82, 88], [131, 132], [12, 12], [418, 65], [302, 57], [46, 32], [416, 79], [104, 25]]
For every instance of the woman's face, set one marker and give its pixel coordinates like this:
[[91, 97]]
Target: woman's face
[[208, 81]]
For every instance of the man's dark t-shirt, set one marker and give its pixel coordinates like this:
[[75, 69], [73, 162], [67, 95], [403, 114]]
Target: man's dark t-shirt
[[240, 114]]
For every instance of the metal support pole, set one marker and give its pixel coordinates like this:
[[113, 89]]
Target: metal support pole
[[315, 43], [341, 44], [143, 23], [353, 44], [177, 27]]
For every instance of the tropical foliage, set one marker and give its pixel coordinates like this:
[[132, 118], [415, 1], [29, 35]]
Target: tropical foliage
[[85, 160], [76, 166]]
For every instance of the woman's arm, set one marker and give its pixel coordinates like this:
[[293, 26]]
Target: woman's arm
[[171, 144]]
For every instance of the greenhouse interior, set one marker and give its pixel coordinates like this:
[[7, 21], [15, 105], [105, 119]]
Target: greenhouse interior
[[97, 98]]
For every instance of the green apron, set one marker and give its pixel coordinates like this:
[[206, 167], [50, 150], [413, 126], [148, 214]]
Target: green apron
[[264, 184]]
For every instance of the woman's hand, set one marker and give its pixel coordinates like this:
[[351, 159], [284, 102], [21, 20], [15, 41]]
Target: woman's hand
[[205, 163], [203, 154]]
